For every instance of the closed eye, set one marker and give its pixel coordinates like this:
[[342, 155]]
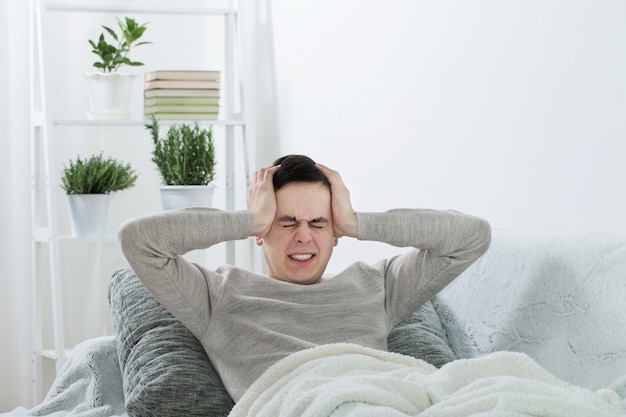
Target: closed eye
[[318, 224], [287, 222]]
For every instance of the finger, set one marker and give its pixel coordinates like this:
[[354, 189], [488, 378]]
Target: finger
[[333, 176], [262, 174], [270, 171], [325, 169], [329, 173], [266, 173]]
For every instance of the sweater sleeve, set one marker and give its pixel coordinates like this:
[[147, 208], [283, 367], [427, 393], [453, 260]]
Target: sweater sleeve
[[445, 243], [154, 245]]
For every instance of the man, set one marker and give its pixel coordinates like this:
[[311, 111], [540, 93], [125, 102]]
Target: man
[[297, 211]]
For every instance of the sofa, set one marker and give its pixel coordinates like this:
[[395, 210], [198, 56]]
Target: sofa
[[558, 299]]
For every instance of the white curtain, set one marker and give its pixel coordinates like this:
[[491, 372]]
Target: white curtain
[[259, 75], [15, 264]]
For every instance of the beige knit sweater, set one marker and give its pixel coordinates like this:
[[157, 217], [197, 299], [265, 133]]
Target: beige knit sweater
[[247, 322]]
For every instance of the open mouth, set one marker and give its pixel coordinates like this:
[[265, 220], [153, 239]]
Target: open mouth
[[301, 256]]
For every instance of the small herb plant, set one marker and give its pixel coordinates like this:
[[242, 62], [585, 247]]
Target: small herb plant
[[97, 175], [185, 156], [113, 56]]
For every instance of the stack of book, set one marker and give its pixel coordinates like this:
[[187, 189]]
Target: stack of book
[[181, 95]]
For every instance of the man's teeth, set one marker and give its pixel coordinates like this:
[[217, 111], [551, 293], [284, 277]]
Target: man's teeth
[[302, 257]]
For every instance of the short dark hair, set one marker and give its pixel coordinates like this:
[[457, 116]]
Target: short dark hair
[[297, 168]]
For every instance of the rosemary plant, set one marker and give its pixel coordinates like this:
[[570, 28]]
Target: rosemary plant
[[185, 156], [97, 175]]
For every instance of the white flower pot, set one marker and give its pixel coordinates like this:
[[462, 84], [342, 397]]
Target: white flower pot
[[88, 214], [109, 95], [180, 196]]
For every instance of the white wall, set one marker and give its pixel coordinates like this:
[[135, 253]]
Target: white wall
[[513, 111]]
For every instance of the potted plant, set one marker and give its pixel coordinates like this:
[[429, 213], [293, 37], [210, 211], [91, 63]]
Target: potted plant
[[110, 91], [89, 183], [185, 159]]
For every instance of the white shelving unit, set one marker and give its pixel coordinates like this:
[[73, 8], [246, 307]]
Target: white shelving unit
[[46, 260]]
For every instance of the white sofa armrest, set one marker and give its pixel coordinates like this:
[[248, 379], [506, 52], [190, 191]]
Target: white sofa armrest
[[559, 299]]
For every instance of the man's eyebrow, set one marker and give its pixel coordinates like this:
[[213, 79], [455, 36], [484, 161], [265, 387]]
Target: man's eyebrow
[[292, 219], [286, 218]]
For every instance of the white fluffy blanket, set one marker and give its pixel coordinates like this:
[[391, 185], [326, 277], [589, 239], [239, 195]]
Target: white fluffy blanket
[[89, 385], [349, 380]]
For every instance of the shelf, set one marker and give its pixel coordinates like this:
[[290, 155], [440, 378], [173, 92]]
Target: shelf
[[43, 236], [120, 8], [51, 354], [46, 239], [74, 239], [86, 122]]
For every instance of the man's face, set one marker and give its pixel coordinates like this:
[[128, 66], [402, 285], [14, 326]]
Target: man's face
[[301, 240]]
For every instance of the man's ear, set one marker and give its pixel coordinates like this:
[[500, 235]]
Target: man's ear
[[336, 241], [259, 240]]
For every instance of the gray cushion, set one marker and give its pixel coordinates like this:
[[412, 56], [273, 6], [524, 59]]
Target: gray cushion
[[421, 335], [165, 369]]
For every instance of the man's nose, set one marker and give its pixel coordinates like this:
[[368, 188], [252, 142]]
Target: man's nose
[[303, 233]]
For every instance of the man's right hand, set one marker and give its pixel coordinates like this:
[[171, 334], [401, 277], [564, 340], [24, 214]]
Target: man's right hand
[[262, 200]]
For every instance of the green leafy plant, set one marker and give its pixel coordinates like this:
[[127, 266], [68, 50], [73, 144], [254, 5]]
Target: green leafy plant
[[185, 156], [97, 175], [113, 56]]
